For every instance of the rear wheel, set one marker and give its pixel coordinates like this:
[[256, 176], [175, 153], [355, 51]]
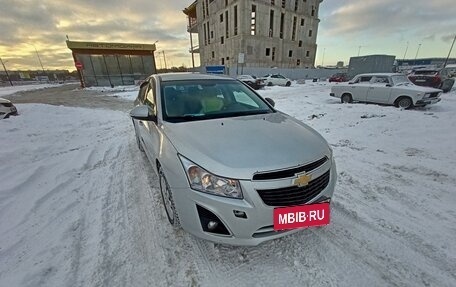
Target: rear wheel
[[168, 200], [346, 98], [447, 85], [288, 84], [404, 103], [269, 84]]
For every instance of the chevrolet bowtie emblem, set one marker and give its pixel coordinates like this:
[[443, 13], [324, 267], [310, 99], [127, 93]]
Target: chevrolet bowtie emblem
[[303, 180]]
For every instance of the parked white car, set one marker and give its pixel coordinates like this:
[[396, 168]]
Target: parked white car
[[276, 79], [385, 88], [7, 109]]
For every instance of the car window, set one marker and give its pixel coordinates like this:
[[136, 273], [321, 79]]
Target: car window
[[400, 79], [142, 91], [380, 80], [243, 98], [150, 96], [425, 72], [207, 99], [363, 80]]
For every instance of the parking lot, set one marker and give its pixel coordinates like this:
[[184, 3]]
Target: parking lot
[[83, 208]]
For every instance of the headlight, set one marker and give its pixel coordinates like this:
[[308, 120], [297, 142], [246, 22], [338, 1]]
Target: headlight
[[426, 96], [202, 180]]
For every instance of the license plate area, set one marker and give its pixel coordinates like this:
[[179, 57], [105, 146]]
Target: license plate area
[[302, 216]]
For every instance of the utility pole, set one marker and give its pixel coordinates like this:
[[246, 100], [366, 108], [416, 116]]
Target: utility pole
[[359, 50], [6, 72], [449, 53]]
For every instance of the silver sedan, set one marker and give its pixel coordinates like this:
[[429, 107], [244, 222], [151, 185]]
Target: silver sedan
[[232, 169]]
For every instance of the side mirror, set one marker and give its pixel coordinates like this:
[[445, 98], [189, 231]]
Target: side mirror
[[270, 101], [143, 113]]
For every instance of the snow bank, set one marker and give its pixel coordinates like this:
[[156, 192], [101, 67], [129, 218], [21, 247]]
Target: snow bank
[[5, 91]]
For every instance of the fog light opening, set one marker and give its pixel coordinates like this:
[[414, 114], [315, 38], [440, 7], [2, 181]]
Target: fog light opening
[[210, 222]]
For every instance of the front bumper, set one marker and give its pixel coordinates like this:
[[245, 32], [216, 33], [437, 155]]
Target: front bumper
[[429, 101], [257, 227]]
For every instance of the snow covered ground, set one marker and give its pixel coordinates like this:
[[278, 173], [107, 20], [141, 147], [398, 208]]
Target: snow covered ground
[[124, 92], [79, 204]]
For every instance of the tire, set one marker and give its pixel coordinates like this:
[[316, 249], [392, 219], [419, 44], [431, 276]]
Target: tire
[[404, 103], [447, 85], [288, 84], [168, 200], [269, 84], [346, 98]]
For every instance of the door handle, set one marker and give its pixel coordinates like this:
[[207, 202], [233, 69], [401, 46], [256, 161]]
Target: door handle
[[141, 123]]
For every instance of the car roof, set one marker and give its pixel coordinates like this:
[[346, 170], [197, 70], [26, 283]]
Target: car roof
[[190, 76]]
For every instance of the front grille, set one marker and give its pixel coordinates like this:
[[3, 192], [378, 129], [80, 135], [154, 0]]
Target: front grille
[[294, 195], [289, 172]]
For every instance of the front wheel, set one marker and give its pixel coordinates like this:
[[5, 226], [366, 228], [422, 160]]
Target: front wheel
[[288, 84], [168, 200], [346, 98], [269, 84], [405, 103]]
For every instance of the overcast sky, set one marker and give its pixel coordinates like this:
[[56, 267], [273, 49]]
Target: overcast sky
[[378, 26]]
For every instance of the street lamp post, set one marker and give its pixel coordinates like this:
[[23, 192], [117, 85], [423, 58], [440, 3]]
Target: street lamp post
[[406, 49], [6, 72], [39, 59], [359, 50], [323, 58], [417, 51]]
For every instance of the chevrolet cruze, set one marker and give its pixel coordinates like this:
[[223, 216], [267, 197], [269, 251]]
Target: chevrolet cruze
[[232, 169]]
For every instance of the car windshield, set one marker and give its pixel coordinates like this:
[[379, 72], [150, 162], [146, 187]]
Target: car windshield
[[192, 100], [400, 79]]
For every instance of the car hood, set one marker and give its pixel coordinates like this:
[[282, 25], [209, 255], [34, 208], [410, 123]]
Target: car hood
[[4, 101], [238, 147]]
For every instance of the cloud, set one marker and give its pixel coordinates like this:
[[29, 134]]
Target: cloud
[[46, 23], [388, 17]]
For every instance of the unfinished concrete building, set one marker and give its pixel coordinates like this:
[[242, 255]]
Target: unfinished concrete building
[[254, 33]]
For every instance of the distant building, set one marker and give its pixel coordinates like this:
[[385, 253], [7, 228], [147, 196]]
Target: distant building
[[407, 64], [254, 33], [370, 64], [112, 64]]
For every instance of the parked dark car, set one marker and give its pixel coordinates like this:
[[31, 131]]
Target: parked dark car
[[339, 77], [252, 81], [435, 78]]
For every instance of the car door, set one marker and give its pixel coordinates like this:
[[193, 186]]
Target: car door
[[149, 129], [281, 80], [360, 88], [379, 90]]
